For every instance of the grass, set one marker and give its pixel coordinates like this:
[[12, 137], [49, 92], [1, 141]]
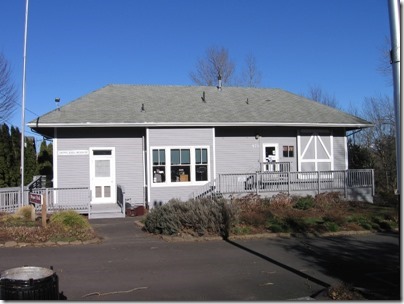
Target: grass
[[23, 226], [326, 212]]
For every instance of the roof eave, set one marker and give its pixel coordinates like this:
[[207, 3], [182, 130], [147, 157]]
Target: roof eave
[[198, 124]]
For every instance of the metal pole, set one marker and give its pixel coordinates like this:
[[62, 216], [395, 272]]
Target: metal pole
[[394, 16], [23, 103]]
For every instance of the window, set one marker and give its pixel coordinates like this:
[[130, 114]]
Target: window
[[201, 164], [180, 165], [159, 162], [288, 151]]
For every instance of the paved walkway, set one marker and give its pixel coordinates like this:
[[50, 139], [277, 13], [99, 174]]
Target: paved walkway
[[131, 265]]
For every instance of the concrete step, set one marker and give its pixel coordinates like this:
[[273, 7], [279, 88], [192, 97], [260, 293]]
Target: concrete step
[[99, 211]]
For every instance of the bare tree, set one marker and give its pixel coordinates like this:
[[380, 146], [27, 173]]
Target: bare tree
[[384, 67], [380, 140], [317, 94], [217, 62], [251, 76], [8, 93]]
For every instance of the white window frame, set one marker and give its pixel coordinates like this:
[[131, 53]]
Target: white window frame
[[168, 182]]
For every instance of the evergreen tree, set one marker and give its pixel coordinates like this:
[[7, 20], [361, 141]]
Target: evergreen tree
[[6, 157], [15, 171], [45, 162], [30, 162]]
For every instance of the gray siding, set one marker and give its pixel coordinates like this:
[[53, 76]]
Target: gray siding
[[238, 150], [340, 150], [74, 171]]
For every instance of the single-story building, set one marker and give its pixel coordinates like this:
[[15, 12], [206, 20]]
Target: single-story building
[[155, 143]]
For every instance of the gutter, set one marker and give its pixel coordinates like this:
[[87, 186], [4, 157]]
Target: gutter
[[196, 124]]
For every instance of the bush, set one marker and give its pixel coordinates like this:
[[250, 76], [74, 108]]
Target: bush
[[281, 201], [362, 221], [70, 219], [199, 216], [331, 226], [304, 203], [276, 225], [68, 225], [26, 213]]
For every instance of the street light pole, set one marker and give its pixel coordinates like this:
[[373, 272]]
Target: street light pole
[[394, 16], [23, 104]]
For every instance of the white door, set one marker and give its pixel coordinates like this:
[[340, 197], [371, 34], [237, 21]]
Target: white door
[[271, 155], [102, 175]]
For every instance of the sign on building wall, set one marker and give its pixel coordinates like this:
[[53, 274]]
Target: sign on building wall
[[72, 152]]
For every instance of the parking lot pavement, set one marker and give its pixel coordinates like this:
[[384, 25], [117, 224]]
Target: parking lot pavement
[[131, 265]]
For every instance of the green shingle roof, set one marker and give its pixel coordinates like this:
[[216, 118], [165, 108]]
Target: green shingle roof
[[143, 105]]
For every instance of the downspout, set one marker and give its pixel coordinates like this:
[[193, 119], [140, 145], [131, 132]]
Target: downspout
[[144, 170], [147, 176]]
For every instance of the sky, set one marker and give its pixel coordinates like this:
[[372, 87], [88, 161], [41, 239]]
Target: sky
[[75, 47]]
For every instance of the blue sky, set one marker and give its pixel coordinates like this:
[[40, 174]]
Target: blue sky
[[78, 46]]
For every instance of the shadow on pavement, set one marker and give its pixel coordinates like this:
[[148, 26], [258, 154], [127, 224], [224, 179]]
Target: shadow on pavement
[[284, 266], [371, 264]]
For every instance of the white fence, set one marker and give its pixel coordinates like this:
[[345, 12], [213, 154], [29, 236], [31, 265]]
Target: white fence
[[77, 199], [354, 184]]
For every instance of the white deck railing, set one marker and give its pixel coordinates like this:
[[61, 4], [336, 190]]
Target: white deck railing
[[290, 182]]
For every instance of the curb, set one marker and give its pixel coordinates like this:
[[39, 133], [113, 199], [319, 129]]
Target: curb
[[14, 244], [190, 238]]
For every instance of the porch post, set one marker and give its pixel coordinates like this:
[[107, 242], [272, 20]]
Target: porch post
[[318, 181], [256, 183], [346, 183], [288, 182]]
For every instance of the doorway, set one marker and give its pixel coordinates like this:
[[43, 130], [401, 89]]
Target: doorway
[[270, 155], [102, 175]]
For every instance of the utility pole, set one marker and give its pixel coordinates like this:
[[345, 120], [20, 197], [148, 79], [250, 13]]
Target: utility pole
[[394, 17], [23, 104]]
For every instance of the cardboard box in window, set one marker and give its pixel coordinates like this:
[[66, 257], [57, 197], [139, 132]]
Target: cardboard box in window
[[183, 177]]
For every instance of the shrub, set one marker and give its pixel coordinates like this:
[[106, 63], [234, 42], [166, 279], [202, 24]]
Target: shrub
[[276, 225], [304, 203], [68, 225], [26, 213], [328, 200], [331, 226], [200, 216], [281, 201], [162, 220], [70, 219], [361, 220]]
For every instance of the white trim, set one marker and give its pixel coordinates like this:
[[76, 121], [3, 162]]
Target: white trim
[[112, 158], [298, 157], [316, 136], [168, 182], [307, 146], [55, 161], [148, 168], [197, 124], [144, 171], [346, 152], [214, 152], [266, 145]]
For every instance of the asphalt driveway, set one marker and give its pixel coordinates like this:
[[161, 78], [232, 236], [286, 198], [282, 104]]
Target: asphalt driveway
[[132, 265]]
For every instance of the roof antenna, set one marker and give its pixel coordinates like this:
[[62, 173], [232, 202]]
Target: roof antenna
[[219, 79], [203, 96], [57, 100]]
